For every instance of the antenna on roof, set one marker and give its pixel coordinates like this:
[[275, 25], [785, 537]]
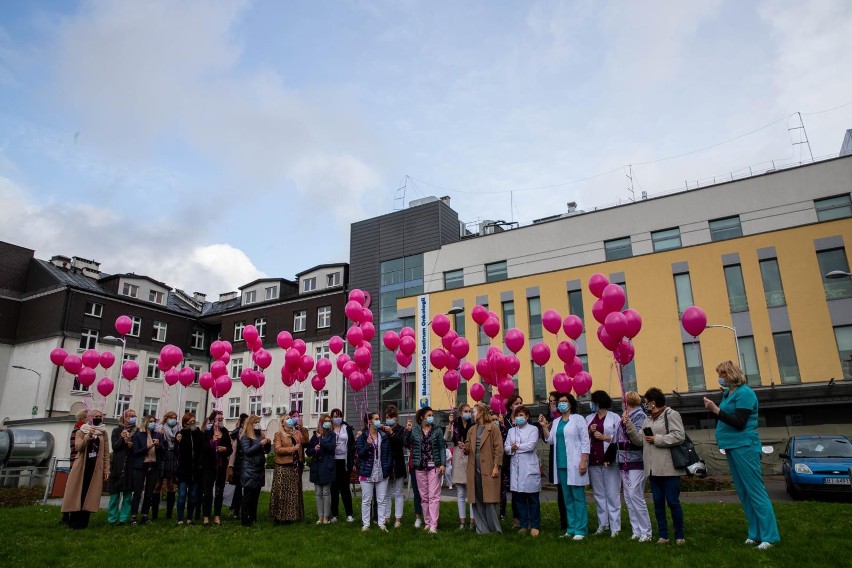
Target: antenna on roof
[[399, 197], [803, 138], [629, 177]]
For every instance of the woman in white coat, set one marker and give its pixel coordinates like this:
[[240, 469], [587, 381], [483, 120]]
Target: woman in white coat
[[525, 471], [603, 472], [571, 438]]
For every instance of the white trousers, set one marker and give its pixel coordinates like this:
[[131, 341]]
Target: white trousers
[[381, 488], [461, 500], [395, 498], [633, 482], [606, 487]]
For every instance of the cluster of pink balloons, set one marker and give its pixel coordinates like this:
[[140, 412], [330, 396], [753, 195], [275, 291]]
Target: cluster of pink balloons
[[402, 345], [617, 327], [84, 367], [574, 377], [358, 368], [694, 321], [297, 363], [170, 357], [217, 380], [453, 349]]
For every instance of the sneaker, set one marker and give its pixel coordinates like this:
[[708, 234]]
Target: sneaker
[[663, 541], [602, 530], [578, 537], [614, 534], [634, 537], [516, 524], [473, 526], [179, 523], [418, 523], [522, 531], [680, 542], [349, 519], [397, 524], [749, 542], [333, 520], [365, 528], [534, 532], [461, 527], [645, 538], [319, 522], [764, 546], [432, 530], [566, 535], [383, 528]]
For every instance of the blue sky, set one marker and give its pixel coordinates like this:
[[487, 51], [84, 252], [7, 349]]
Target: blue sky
[[209, 143]]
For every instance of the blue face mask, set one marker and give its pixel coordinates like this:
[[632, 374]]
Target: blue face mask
[[291, 422], [152, 426], [391, 422], [337, 421], [377, 424], [132, 421], [466, 415], [326, 425], [562, 407], [430, 419], [172, 422], [209, 427], [724, 383], [593, 407], [520, 420]]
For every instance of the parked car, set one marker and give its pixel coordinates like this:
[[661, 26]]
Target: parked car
[[817, 464]]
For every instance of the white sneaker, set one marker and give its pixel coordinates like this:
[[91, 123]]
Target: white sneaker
[[764, 546], [578, 537], [365, 528], [418, 523], [602, 530], [333, 520], [614, 534], [634, 537], [461, 527], [319, 522], [383, 528], [349, 519], [645, 538], [749, 542], [432, 530], [397, 524]]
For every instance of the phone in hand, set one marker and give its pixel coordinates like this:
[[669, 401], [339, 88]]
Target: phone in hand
[[647, 431]]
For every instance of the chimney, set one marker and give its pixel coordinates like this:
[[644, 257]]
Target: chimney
[[199, 297], [225, 296], [61, 261], [572, 206], [446, 200]]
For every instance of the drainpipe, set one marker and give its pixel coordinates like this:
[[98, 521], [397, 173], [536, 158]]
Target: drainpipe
[[64, 338]]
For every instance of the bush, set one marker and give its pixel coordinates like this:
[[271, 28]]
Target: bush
[[706, 484], [20, 496]]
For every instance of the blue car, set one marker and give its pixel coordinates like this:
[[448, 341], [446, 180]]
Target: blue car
[[817, 464]]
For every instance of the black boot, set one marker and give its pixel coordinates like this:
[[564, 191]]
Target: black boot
[[155, 506], [170, 504]]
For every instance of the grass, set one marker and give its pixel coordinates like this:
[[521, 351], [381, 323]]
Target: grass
[[813, 534]]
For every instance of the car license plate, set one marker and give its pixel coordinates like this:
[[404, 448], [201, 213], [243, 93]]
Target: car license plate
[[837, 481]]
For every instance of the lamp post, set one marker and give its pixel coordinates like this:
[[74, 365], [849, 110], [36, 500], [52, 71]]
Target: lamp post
[[38, 386], [736, 342], [123, 342]]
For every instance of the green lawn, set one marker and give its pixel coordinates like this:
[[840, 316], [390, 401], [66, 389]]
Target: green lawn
[[813, 533]]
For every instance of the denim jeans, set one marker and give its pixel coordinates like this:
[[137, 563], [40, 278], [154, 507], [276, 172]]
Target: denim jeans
[[193, 490], [529, 509], [666, 490]]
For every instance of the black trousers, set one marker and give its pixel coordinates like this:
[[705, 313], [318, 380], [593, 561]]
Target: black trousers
[[340, 488], [237, 501], [144, 482], [213, 488], [248, 512]]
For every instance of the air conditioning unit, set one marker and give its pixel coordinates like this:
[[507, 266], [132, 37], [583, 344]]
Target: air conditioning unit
[[280, 410], [267, 409]]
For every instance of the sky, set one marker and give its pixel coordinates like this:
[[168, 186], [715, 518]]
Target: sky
[[210, 143]]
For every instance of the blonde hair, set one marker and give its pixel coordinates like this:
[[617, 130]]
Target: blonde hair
[[633, 399], [483, 413], [167, 415], [728, 370], [248, 428], [82, 415]]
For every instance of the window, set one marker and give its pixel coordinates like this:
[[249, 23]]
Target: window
[[238, 330], [198, 339], [250, 297], [461, 393], [508, 315], [309, 284], [575, 303], [77, 387], [496, 271], [136, 328], [458, 323], [830, 261], [321, 402], [93, 309], [453, 279], [197, 370], [539, 378], [122, 403], [88, 339], [130, 290], [236, 367], [150, 406], [333, 279], [130, 357], [832, 208], [152, 371], [272, 292], [772, 287], [584, 359], [324, 317], [482, 338], [155, 296], [666, 239], [234, 407], [843, 335], [296, 400], [724, 229], [260, 325], [159, 331], [628, 376], [683, 292], [626, 297], [618, 248], [694, 368], [402, 270], [534, 307], [255, 403], [785, 351], [191, 406], [736, 288], [300, 318], [748, 353]]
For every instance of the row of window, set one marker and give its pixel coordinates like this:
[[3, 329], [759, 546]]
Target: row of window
[[300, 319], [89, 337], [132, 291], [250, 297], [310, 284]]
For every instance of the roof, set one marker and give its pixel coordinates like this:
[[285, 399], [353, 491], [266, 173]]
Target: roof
[[136, 276], [321, 266], [259, 280]]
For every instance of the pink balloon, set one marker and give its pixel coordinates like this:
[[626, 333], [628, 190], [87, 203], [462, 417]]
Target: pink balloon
[[72, 364], [130, 370], [452, 363], [287, 378], [354, 336], [500, 364], [123, 325], [390, 340], [263, 358], [323, 367], [624, 352], [572, 326], [354, 311], [259, 379], [606, 339], [86, 376], [479, 314], [171, 377], [221, 387], [566, 351], [597, 283], [599, 311], [460, 348], [335, 344], [357, 295], [342, 359], [107, 359], [317, 383], [250, 334], [217, 349], [574, 367], [284, 340], [225, 358], [175, 356], [694, 321], [447, 340], [90, 359], [186, 376], [616, 325], [491, 327], [498, 404], [163, 366], [514, 365], [292, 359], [452, 380], [306, 365], [540, 353], [403, 359], [551, 321], [300, 346], [105, 386], [467, 370], [57, 356], [407, 345], [356, 381], [483, 367], [255, 345], [438, 358], [477, 391], [505, 387], [514, 339], [218, 368], [634, 323], [362, 357], [613, 298], [562, 383], [406, 332], [366, 316], [206, 381], [228, 347], [440, 325], [368, 330], [582, 383]]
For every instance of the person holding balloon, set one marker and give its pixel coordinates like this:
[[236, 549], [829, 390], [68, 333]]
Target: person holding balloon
[[603, 425], [344, 459], [632, 467], [217, 450], [189, 473], [320, 448], [426, 440], [147, 455], [168, 465], [570, 436], [285, 500], [88, 473], [373, 450], [396, 437], [255, 446], [525, 478], [456, 433], [485, 449], [121, 471], [513, 402]]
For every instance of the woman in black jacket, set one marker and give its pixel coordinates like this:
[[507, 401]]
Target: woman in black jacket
[[320, 449], [254, 447], [120, 472], [344, 459], [214, 463], [396, 436], [189, 474], [147, 453]]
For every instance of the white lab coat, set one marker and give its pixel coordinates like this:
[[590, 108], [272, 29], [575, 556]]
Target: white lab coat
[[612, 422], [525, 468], [576, 437]]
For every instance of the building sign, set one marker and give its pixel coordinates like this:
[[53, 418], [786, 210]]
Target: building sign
[[424, 387]]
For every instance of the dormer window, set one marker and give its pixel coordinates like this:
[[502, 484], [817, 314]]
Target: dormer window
[[250, 297], [333, 279], [156, 297], [272, 292], [309, 284], [130, 290]]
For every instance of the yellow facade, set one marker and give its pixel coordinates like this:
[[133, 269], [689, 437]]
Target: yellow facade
[[650, 287]]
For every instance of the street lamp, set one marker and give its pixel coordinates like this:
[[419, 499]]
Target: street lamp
[[736, 341], [38, 386], [123, 342]]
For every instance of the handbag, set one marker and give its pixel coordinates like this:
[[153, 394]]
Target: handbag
[[684, 454]]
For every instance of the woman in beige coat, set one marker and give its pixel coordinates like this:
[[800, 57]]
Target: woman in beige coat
[[88, 474], [485, 458]]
